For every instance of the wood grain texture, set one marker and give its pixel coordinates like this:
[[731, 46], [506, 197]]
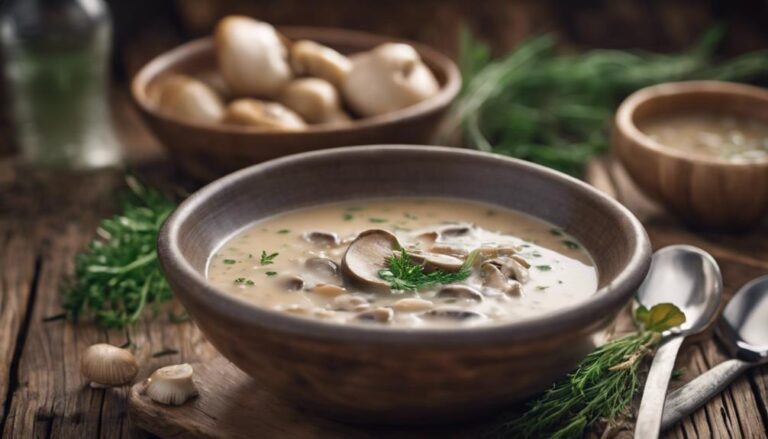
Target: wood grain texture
[[41, 228]]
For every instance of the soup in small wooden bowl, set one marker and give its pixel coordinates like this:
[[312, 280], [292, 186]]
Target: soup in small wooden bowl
[[700, 148], [352, 279]]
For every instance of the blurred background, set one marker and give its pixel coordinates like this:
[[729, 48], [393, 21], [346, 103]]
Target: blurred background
[[146, 28]]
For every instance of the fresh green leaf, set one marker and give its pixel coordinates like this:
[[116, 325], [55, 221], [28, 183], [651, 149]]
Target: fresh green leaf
[[660, 317]]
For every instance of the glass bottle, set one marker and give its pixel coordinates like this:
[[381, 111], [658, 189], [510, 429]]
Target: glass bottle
[[56, 67]]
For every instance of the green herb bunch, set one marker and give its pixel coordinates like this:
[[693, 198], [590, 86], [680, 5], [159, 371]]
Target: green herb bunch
[[554, 109], [118, 274], [600, 389], [403, 274]]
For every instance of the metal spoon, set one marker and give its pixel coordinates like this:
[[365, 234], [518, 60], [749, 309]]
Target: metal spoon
[[689, 278], [744, 331]]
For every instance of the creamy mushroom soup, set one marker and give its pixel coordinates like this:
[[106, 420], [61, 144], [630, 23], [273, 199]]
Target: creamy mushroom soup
[[405, 262], [711, 135]]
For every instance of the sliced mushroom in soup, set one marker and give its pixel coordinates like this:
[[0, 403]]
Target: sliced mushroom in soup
[[405, 262]]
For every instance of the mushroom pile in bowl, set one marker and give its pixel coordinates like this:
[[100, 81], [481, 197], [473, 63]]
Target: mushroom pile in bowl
[[265, 80], [206, 150]]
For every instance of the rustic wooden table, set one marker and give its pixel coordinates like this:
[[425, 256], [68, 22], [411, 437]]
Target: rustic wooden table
[[46, 220]]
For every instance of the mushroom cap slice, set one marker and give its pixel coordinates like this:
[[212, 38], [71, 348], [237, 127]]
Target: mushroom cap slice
[[387, 78], [256, 113], [312, 59], [189, 99], [290, 282], [459, 292], [378, 315], [366, 256], [251, 56], [315, 100], [492, 276], [451, 314], [511, 268], [322, 239], [455, 229], [323, 268], [436, 261]]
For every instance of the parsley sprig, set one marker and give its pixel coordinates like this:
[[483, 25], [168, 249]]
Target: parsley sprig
[[405, 275], [267, 259], [118, 275]]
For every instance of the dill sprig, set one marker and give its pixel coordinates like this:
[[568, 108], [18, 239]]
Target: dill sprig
[[600, 389], [267, 259], [118, 274], [555, 109], [403, 274]]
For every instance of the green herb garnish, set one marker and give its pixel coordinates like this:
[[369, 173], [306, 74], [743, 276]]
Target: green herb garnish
[[601, 388], [283, 231], [555, 109], [556, 232], [229, 261], [544, 267], [347, 216], [405, 275], [270, 273], [377, 220], [267, 259], [118, 275], [571, 244]]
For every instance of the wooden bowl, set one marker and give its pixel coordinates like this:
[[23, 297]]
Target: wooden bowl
[[705, 192], [206, 151], [369, 373]]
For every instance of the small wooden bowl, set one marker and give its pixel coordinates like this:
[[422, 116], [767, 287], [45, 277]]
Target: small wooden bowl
[[369, 373], [207, 151], [707, 193]]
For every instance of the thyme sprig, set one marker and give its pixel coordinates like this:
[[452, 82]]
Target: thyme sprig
[[118, 274], [555, 109], [600, 389], [403, 274]]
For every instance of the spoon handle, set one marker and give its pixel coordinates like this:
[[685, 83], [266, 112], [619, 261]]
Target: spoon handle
[[655, 391], [685, 400]]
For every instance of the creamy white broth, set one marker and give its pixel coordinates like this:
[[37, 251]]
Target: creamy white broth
[[561, 273], [712, 135]]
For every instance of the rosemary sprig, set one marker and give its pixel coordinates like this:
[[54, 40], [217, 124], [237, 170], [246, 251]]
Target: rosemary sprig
[[405, 275], [555, 109], [118, 275], [600, 389]]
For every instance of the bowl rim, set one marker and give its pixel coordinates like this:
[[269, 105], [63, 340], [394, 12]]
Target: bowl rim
[[625, 116], [192, 283], [443, 98]]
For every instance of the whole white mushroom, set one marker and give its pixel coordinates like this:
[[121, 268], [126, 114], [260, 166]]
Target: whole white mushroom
[[252, 58], [189, 99], [315, 100], [256, 113], [388, 78], [309, 58]]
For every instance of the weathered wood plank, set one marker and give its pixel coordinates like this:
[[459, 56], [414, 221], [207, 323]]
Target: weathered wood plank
[[17, 281]]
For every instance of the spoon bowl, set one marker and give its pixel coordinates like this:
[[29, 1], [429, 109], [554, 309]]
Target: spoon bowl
[[744, 326], [743, 329], [689, 278]]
